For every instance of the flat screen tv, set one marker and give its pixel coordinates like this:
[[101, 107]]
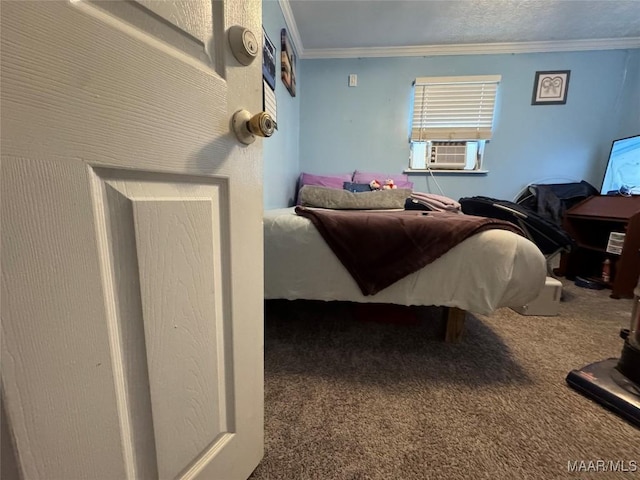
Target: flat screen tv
[[622, 176]]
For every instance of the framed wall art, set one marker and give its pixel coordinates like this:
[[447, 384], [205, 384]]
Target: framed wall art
[[287, 63], [550, 87], [269, 61]]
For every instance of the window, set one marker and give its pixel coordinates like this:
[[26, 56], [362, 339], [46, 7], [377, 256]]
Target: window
[[452, 114]]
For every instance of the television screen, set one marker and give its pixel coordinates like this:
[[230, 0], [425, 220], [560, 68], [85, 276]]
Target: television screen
[[622, 176]]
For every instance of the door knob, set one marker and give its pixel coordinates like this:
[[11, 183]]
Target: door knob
[[247, 127]]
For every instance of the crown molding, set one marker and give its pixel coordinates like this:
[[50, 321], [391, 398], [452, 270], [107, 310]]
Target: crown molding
[[473, 48], [292, 27]]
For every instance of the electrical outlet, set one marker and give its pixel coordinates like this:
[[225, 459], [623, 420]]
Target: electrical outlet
[[353, 80]]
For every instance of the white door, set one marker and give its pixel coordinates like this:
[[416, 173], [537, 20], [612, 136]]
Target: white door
[[132, 327]]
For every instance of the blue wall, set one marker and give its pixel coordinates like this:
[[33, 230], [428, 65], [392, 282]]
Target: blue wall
[[629, 100], [281, 152], [366, 127]]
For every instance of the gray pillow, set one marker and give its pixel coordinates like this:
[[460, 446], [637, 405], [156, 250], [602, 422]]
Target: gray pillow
[[321, 197]]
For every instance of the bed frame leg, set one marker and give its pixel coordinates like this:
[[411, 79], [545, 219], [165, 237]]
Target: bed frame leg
[[455, 324]]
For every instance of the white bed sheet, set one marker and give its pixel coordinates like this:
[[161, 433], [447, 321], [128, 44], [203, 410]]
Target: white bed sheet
[[492, 269]]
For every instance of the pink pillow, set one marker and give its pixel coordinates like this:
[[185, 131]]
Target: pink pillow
[[400, 180], [329, 181]]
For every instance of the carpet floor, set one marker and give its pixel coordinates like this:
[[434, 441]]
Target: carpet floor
[[351, 398]]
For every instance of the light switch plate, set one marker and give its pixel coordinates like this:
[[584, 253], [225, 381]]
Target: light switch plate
[[353, 80]]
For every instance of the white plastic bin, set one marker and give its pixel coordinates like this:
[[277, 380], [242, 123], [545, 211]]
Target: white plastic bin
[[548, 302]]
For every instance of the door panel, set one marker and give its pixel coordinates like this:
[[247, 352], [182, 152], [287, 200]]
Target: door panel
[[187, 396], [193, 18], [186, 25], [180, 303], [131, 241]]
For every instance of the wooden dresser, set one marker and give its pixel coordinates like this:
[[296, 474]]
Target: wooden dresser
[[590, 223]]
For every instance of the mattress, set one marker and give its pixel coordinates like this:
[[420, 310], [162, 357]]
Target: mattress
[[487, 271]]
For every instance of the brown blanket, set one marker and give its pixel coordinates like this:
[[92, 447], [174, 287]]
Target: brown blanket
[[380, 248]]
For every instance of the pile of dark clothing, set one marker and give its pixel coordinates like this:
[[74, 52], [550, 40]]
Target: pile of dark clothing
[[552, 200]]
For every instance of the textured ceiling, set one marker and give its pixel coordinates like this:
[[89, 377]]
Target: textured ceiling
[[331, 24]]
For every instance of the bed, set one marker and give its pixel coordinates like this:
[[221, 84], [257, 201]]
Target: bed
[[492, 269]]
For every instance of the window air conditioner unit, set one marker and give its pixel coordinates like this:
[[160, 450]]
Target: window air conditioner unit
[[451, 155]]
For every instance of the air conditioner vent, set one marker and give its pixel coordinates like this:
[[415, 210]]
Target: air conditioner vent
[[451, 155]]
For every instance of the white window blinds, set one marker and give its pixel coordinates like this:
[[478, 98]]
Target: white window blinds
[[453, 108]]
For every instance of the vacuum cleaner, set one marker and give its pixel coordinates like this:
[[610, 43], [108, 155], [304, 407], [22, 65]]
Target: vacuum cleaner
[[615, 383]]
